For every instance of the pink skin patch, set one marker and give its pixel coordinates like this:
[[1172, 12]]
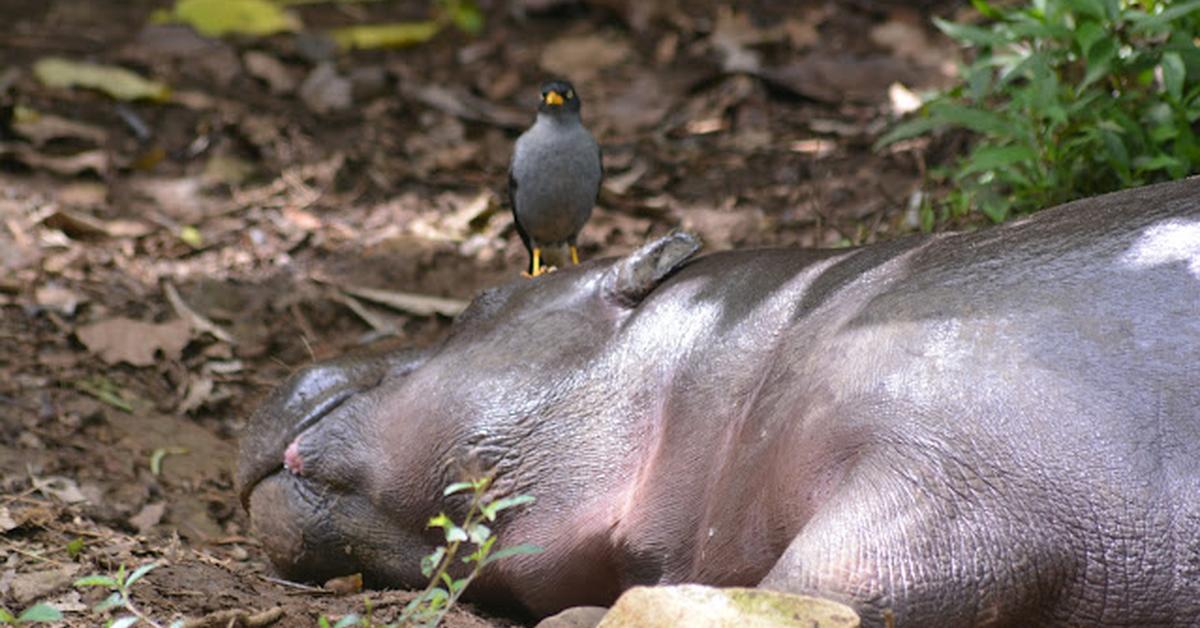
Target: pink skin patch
[[291, 458]]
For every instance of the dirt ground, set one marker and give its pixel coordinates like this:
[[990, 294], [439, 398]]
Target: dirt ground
[[164, 264]]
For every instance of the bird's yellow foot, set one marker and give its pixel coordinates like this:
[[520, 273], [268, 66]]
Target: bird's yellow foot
[[538, 269], [574, 255]]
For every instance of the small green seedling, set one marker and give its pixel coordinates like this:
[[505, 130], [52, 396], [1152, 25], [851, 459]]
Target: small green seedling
[[120, 585], [75, 547], [431, 606], [36, 614]]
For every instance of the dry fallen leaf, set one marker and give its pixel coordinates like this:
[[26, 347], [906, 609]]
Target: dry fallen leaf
[[148, 517], [40, 128], [60, 488], [135, 342], [416, 304], [394, 35], [841, 79], [58, 298], [95, 160], [732, 37], [115, 81], [81, 225], [216, 18], [6, 520], [582, 57], [266, 67]]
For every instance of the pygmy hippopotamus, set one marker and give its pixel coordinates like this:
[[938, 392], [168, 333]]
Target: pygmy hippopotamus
[[999, 427]]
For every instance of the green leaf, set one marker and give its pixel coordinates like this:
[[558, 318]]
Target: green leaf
[[988, 158], [455, 534], [217, 18], [457, 487], [927, 217], [347, 621], [435, 597], [997, 212], [491, 509], [1157, 162], [465, 15], [395, 35], [430, 563], [6, 617], [1143, 22], [986, 9], [458, 585], [75, 547], [1093, 8], [1174, 73], [323, 622], [1099, 59], [971, 118], [139, 572], [112, 601], [969, 34], [479, 533], [115, 81], [908, 129], [96, 581], [40, 613], [124, 622], [440, 521], [1087, 34], [516, 550]]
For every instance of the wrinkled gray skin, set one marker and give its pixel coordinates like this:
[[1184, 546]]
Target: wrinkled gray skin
[[993, 428]]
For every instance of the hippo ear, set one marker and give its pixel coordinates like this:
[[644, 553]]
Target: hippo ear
[[634, 276]]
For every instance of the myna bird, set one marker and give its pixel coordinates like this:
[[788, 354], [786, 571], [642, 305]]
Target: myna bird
[[554, 179]]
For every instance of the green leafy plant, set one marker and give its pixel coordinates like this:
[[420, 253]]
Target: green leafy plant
[[473, 536], [120, 584], [38, 613], [1066, 99]]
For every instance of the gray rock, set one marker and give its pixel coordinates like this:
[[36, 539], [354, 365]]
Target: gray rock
[[699, 606], [575, 617], [325, 91]]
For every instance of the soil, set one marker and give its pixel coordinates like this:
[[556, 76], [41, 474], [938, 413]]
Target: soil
[[163, 265]]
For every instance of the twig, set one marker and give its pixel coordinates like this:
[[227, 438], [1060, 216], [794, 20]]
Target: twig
[[295, 585], [415, 304], [377, 323]]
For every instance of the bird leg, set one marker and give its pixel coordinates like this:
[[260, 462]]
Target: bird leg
[[536, 267], [574, 255]]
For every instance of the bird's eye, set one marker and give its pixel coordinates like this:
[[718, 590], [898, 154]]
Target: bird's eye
[[570, 94]]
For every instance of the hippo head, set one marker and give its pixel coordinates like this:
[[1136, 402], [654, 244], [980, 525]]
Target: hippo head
[[343, 465]]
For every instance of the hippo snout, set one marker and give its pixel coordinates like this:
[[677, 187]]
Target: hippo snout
[[300, 403]]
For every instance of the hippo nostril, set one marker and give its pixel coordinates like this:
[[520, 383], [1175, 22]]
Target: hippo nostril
[[291, 458]]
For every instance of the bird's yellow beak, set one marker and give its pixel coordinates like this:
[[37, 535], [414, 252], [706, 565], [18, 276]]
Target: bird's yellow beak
[[553, 98]]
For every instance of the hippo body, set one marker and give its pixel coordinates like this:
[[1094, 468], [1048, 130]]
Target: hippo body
[[1000, 427]]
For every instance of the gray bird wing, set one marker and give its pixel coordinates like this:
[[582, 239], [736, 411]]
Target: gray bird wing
[[600, 158], [512, 206]]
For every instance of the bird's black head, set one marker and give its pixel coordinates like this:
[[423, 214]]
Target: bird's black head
[[557, 96]]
